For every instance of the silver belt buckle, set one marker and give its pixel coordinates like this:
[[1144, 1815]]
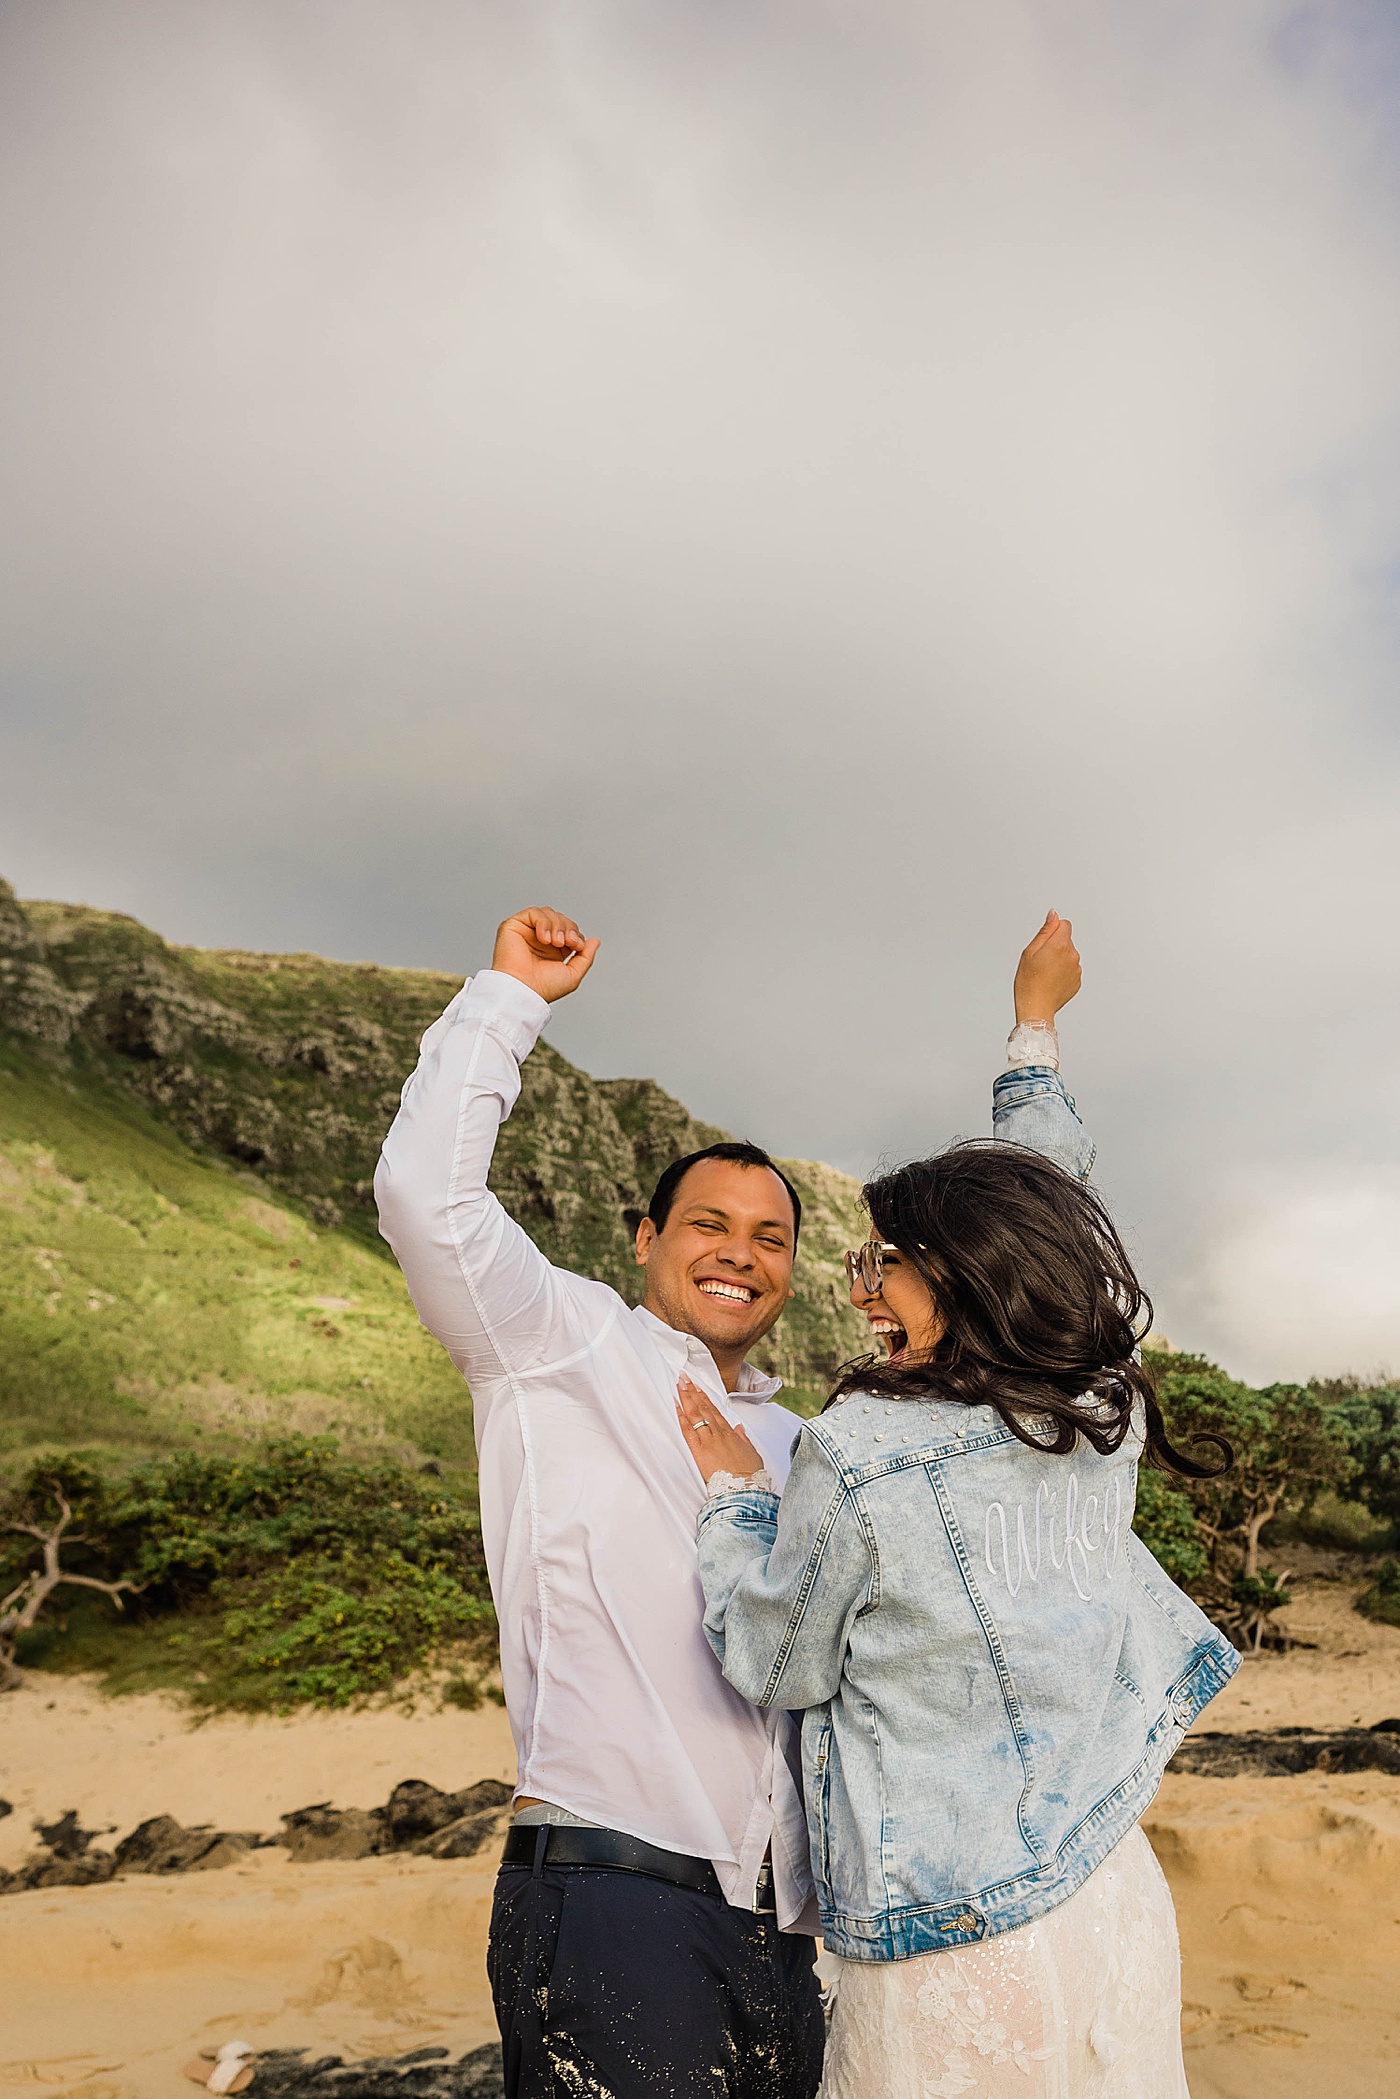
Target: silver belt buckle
[[765, 1901]]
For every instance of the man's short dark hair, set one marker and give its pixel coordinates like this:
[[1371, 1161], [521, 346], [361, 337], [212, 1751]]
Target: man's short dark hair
[[664, 1194]]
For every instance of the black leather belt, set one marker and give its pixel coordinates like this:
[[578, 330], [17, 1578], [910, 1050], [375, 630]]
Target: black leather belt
[[558, 1845]]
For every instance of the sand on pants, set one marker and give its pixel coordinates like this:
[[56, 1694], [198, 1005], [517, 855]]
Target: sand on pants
[[1287, 1890]]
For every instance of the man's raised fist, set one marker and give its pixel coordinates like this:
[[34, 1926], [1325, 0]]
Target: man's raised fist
[[545, 950]]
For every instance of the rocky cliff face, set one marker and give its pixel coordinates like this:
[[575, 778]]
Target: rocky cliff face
[[291, 1066]]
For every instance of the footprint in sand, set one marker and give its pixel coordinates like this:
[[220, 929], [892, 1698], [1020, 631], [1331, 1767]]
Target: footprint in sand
[[368, 1976]]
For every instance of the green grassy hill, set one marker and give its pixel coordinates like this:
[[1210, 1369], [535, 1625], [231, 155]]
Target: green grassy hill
[[151, 1299], [188, 1247]]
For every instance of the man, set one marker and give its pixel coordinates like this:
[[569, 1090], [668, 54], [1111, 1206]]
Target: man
[[651, 1935]]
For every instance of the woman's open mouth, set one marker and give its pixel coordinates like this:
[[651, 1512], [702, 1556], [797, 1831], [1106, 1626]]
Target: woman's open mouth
[[893, 1337]]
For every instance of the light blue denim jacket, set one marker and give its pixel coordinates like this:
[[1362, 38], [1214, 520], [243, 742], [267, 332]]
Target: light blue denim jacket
[[1031, 1107], [993, 1670]]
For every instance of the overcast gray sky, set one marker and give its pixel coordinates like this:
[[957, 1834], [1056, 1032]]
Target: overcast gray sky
[[802, 486]]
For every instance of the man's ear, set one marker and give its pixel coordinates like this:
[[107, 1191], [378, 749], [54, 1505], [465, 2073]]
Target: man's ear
[[646, 1240]]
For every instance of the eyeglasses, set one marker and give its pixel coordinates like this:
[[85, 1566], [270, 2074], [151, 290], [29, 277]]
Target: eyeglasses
[[866, 1265]]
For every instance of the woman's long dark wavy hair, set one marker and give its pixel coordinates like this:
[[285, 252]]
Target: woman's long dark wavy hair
[[1041, 1307]]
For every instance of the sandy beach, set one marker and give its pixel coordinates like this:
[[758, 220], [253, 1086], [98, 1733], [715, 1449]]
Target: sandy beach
[[112, 1989], [1288, 1900], [1286, 1888]]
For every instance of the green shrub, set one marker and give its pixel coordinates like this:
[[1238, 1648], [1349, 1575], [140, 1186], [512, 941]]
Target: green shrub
[[1382, 1600], [1370, 1425], [1259, 1594], [185, 1521], [1166, 1523], [1335, 1522], [327, 1579], [1289, 1452], [329, 1629], [463, 1691]]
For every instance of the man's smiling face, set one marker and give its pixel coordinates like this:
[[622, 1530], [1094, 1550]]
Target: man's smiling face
[[721, 1269]]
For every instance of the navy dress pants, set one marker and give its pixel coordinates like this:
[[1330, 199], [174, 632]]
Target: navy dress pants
[[611, 1985]]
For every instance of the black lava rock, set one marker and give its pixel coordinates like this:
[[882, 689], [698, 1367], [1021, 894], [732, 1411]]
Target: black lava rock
[[64, 1838], [162, 1845], [425, 2074], [416, 1817], [1284, 1751], [42, 1869]]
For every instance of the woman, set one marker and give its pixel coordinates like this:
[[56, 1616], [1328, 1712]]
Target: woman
[[994, 1669]]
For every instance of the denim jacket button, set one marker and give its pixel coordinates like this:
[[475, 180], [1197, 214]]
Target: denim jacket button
[[968, 1921]]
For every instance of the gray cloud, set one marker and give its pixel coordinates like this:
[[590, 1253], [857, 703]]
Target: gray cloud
[[804, 487]]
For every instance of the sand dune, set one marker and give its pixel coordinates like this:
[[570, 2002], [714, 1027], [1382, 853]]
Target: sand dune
[[111, 1989], [1288, 1889], [1288, 1899]]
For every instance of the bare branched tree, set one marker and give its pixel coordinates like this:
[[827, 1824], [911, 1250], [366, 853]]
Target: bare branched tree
[[20, 1609]]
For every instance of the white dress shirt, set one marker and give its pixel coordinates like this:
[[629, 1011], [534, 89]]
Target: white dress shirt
[[589, 1496]]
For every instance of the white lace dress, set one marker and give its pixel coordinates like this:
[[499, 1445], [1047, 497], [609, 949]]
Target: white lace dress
[[1083, 2004]]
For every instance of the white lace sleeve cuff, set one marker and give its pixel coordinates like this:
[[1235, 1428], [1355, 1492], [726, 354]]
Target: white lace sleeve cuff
[[741, 1483], [1033, 1042]]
